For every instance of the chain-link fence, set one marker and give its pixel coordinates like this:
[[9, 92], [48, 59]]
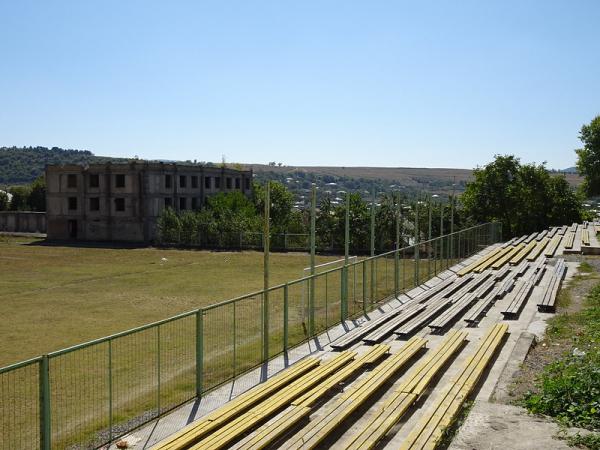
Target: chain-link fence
[[90, 394]]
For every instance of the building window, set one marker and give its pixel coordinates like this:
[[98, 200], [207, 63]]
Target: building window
[[119, 204], [94, 203], [94, 180], [72, 203], [247, 180], [217, 182], [71, 180], [168, 181], [182, 203], [194, 203], [228, 182], [194, 182], [168, 202], [237, 183], [120, 180], [207, 182], [182, 181]]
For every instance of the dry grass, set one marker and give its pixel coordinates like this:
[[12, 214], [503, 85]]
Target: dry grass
[[53, 296]]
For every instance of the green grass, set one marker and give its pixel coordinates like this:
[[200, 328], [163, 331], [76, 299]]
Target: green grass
[[58, 296], [54, 297], [568, 389]]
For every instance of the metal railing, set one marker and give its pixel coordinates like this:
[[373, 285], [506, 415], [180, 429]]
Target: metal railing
[[89, 394]]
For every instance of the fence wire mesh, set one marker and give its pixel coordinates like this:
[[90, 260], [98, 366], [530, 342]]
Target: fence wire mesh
[[90, 394]]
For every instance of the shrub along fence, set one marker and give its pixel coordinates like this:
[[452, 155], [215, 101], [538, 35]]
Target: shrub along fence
[[87, 395]]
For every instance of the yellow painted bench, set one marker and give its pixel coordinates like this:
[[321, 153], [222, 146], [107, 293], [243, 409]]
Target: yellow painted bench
[[585, 237], [473, 265], [428, 431], [354, 397], [520, 256], [490, 262], [538, 249], [301, 408], [234, 429], [240, 404], [414, 384], [569, 240], [512, 251], [551, 248]]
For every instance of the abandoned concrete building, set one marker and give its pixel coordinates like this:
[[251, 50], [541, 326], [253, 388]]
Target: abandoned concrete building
[[122, 202]]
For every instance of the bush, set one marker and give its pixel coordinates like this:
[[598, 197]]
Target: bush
[[569, 389], [169, 227]]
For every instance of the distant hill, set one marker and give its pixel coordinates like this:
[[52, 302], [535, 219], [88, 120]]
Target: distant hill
[[20, 165]]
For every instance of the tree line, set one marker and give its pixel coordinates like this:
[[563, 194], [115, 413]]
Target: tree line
[[226, 215], [31, 197]]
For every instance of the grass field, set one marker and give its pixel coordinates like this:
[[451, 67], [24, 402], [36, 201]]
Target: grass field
[[56, 296]]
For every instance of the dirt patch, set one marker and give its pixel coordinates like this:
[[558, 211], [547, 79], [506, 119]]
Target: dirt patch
[[571, 300]]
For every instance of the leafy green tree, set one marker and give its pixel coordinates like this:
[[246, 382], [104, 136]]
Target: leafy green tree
[[3, 201], [282, 203], [359, 224], [20, 197], [325, 223], [169, 227], [37, 195], [588, 157], [525, 198], [189, 228]]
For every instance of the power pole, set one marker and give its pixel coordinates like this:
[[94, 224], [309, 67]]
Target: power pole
[[313, 225], [266, 246]]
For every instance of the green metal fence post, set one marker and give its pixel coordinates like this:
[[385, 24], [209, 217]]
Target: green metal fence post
[[234, 336], [158, 370], [199, 352], [311, 287], [110, 392], [364, 287], [45, 414], [417, 240], [372, 246], [265, 296], [285, 316], [344, 305], [396, 253]]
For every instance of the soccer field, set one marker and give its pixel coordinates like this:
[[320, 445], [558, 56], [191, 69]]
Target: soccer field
[[55, 296]]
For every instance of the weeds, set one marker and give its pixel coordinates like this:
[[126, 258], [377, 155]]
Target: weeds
[[590, 441], [569, 388]]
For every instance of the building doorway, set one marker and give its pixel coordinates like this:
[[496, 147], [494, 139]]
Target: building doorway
[[72, 226]]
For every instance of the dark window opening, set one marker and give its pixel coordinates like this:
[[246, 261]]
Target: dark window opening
[[94, 204], [237, 183], [119, 204], [182, 203], [194, 203], [194, 182], [94, 180], [72, 203], [71, 180], [182, 181], [168, 181], [168, 202], [217, 182], [120, 180], [207, 182], [228, 182], [247, 180]]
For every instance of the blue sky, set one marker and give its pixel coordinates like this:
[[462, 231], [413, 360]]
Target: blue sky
[[348, 83]]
